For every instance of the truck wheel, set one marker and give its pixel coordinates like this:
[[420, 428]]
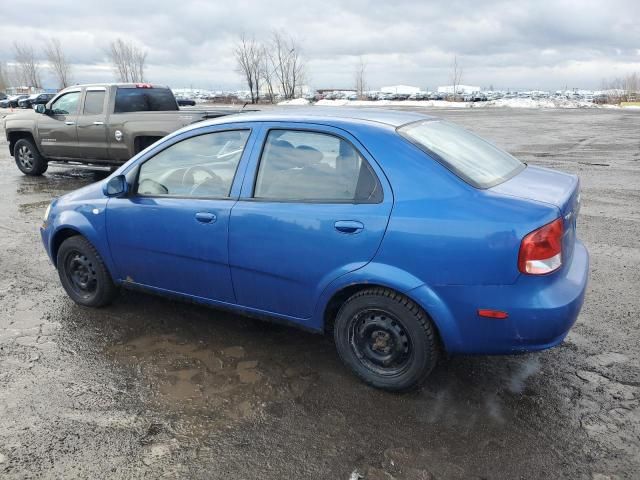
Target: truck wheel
[[28, 158], [83, 274], [386, 339]]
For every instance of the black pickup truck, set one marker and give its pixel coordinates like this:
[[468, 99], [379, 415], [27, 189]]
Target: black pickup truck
[[99, 125]]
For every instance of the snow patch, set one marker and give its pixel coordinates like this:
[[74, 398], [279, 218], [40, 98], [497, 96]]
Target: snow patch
[[503, 102], [295, 101]]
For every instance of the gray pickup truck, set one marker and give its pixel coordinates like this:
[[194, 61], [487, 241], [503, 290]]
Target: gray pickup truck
[[101, 125]]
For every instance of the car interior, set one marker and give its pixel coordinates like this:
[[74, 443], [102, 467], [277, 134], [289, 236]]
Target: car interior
[[202, 166]]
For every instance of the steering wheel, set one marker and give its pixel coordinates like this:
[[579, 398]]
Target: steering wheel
[[188, 179]]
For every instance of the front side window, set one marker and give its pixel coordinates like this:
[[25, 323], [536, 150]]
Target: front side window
[[314, 167], [475, 160], [94, 102], [202, 166], [67, 104], [137, 99]]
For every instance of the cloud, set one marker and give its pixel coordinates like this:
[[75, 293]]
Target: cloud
[[524, 44]]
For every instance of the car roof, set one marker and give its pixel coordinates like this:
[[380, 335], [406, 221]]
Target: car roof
[[115, 84], [353, 116]]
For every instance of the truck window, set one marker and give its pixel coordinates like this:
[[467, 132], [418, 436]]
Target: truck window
[[94, 102], [144, 100], [67, 104]]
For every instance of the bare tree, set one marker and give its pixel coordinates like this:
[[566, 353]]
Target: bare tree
[[267, 74], [288, 65], [4, 77], [128, 60], [456, 76], [249, 58], [631, 86], [58, 62], [26, 66], [360, 80]]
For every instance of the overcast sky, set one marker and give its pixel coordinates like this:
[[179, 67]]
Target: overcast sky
[[534, 44]]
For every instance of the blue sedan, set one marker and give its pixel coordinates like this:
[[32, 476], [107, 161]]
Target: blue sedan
[[403, 235]]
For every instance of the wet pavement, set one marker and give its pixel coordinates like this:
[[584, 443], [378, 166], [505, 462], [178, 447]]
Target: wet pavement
[[151, 388]]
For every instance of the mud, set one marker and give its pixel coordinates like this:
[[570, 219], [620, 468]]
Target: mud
[[150, 388]]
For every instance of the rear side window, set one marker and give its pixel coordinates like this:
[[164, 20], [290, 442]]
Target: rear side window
[[144, 100], [475, 160], [314, 167], [94, 102]]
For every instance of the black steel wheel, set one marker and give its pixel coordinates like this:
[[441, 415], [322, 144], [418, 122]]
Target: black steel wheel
[[386, 339], [28, 158], [83, 274], [380, 341]]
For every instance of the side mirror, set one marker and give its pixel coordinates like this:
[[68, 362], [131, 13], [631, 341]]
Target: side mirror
[[116, 186], [40, 108]]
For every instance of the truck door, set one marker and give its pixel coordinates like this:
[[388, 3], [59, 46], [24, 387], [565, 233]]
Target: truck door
[[57, 128], [92, 128]]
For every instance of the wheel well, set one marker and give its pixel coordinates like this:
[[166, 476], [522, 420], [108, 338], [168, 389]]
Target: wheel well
[[341, 296], [142, 142], [60, 237], [15, 136]]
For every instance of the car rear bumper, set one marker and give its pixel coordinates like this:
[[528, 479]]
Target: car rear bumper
[[541, 311]]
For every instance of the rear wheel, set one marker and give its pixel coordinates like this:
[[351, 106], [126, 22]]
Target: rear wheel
[[83, 274], [386, 339], [28, 158]]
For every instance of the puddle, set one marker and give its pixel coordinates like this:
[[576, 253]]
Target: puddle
[[197, 380]]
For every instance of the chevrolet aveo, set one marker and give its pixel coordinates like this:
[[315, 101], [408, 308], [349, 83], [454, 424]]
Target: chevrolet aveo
[[405, 236]]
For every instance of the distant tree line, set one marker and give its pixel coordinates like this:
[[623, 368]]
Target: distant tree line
[[127, 60], [623, 88], [275, 66]]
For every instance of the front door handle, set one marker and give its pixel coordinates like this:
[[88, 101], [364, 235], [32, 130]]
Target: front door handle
[[69, 123], [348, 226], [98, 123], [206, 217]]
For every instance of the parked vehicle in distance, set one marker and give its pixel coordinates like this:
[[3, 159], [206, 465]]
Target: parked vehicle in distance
[[185, 102], [403, 235], [100, 124], [3, 95], [12, 101], [35, 99]]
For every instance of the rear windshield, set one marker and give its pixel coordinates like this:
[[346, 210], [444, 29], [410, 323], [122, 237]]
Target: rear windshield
[[144, 100], [475, 160]]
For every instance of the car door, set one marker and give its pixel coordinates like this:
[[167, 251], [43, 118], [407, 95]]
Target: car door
[[314, 206], [92, 130], [171, 233], [57, 127]]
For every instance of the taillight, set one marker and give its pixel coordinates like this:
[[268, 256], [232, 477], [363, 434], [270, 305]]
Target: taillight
[[541, 250]]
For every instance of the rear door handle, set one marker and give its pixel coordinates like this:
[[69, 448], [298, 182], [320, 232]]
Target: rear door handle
[[348, 226], [206, 217], [98, 123], [69, 123]]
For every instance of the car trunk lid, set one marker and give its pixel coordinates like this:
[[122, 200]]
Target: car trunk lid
[[559, 189]]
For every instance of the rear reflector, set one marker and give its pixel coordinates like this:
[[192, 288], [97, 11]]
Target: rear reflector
[[485, 312], [541, 250]]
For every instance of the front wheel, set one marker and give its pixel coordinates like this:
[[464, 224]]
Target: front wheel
[[28, 158], [386, 339], [83, 274]]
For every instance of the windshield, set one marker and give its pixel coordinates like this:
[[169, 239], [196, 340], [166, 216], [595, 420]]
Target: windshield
[[475, 160]]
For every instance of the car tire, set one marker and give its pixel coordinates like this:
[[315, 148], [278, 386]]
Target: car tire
[[386, 339], [28, 158], [83, 274]]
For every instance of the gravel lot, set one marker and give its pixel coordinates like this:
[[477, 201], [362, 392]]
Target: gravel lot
[[150, 388]]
